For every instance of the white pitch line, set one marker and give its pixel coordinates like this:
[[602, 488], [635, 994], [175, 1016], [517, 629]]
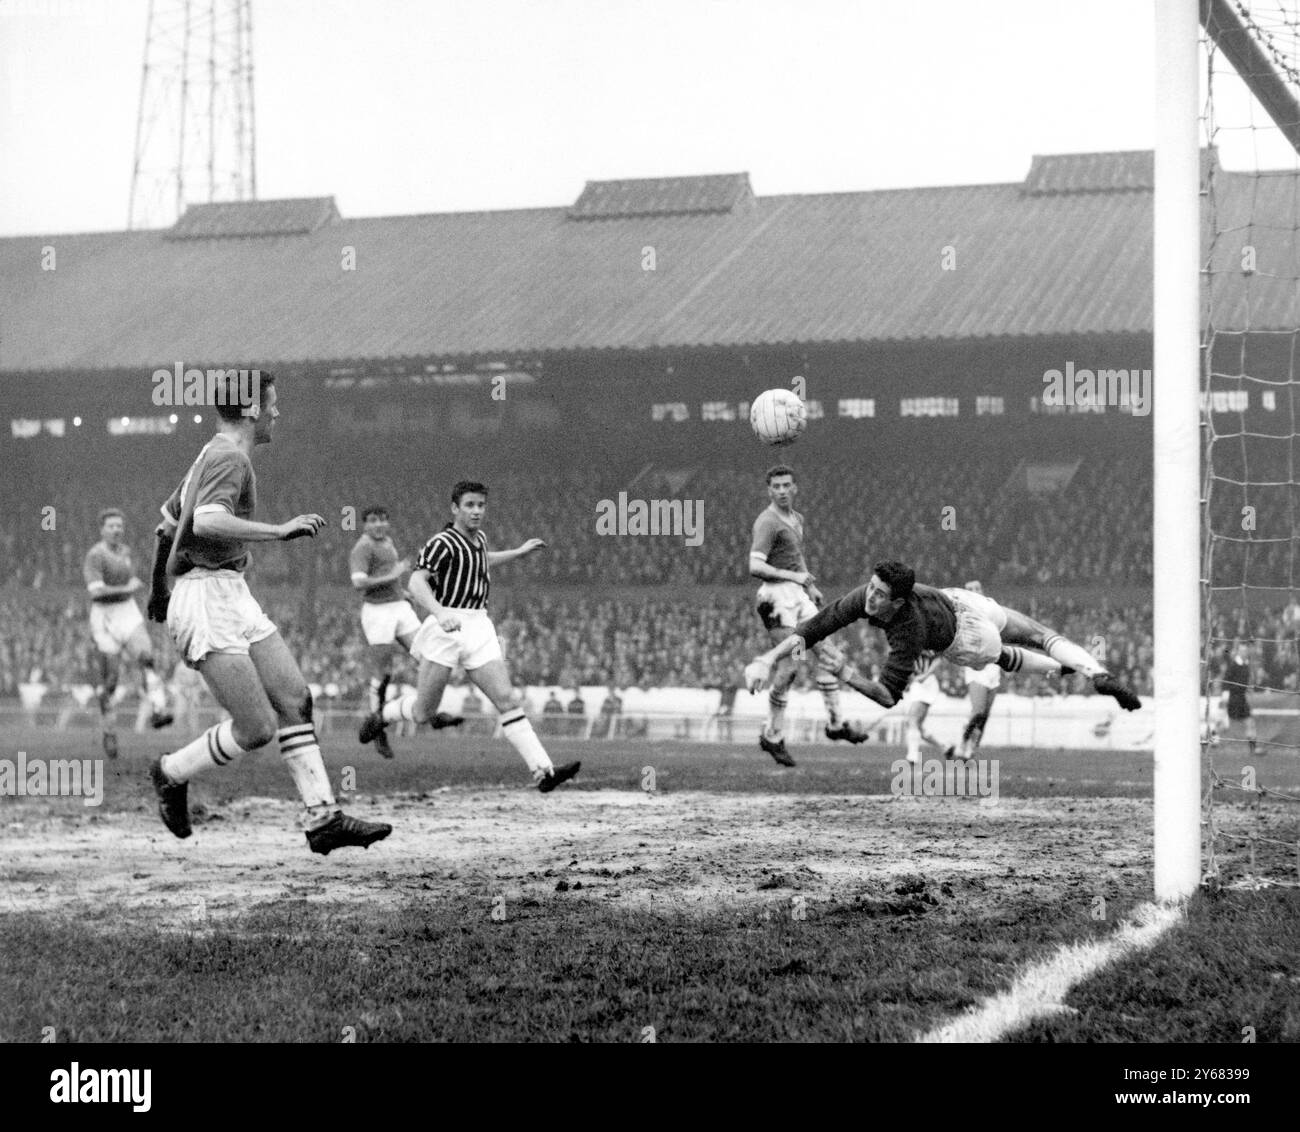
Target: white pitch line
[[1038, 992]]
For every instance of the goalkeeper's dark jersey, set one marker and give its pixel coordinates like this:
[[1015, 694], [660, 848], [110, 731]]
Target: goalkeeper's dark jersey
[[925, 622]]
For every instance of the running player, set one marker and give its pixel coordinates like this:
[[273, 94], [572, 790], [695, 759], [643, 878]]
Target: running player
[[786, 597], [220, 629], [117, 625], [982, 686], [386, 614], [965, 628], [918, 698], [450, 585], [1235, 681]]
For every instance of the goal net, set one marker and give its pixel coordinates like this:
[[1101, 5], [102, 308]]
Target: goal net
[[1250, 409]]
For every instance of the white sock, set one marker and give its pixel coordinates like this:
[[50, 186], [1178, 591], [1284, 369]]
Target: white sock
[[302, 754], [215, 747], [1073, 656], [401, 708], [155, 690], [913, 743], [516, 728]]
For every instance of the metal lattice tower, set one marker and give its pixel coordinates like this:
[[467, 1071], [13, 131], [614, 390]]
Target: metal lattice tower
[[194, 138]]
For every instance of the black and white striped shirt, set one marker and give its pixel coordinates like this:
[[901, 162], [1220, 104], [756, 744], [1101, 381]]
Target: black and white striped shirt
[[458, 568]]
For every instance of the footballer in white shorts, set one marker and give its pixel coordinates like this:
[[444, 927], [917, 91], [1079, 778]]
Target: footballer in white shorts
[[212, 611], [471, 646]]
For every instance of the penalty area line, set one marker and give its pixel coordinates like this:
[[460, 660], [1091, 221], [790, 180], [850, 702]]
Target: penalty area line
[[1038, 991]]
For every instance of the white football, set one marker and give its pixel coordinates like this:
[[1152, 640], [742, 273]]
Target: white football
[[778, 416]]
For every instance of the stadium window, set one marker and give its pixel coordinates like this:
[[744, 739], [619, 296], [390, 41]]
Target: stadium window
[[670, 411], [717, 411], [1226, 401], [1269, 399], [928, 407], [989, 407], [815, 410], [857, 408]]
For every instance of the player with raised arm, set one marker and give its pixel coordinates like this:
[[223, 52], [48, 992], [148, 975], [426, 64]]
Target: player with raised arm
[[117, 626], [788, 596], [982, 686], [450, 585], [965, 628], [387, 616], [222, 632]]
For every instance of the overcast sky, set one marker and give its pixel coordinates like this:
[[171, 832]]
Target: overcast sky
[[408, 106]]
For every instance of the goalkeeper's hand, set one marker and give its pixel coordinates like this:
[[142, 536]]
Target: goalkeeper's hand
[[757, 673], [157, 608]]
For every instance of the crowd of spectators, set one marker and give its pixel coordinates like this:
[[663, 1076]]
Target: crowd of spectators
[[571, 639], [582, 612]]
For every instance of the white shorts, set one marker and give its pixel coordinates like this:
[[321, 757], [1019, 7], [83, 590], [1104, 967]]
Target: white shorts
[[211, 611], [784, 604], [990, 677], [980, 621], [922, 690], [113, 623], [471, 646], [383, 622]]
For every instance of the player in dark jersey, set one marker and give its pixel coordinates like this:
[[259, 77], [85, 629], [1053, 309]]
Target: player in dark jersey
[[966, 628], [787, 596], [387, 616], [222, 632], [1236, 680], [117, 625], [451, 585]]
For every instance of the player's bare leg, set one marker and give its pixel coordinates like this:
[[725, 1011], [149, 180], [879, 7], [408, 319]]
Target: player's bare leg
[[916, 732], [1061, 656], [266, 696], [109, 668], [140, 647], [420, 706], [981, 703], [493, 680]]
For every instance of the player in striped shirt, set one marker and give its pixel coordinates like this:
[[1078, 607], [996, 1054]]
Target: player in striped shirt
[[965, 628], [221, 631], [450, 584], [117, 625], [786, 597], [386, 614]]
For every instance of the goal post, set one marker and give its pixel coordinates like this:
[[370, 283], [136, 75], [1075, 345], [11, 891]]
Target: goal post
[[1177, 446]]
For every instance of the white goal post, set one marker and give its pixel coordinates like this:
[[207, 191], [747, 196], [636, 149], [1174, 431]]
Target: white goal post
[[1177, 440]]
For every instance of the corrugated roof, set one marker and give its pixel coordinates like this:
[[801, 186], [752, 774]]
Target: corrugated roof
[[254, 218], [808, 269], [661, 196]]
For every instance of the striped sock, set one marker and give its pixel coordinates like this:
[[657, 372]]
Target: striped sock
[[830, 690], [516, 728], [215, 747], [776, 702], [302, 754], [1022, 660], [401, 708]]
